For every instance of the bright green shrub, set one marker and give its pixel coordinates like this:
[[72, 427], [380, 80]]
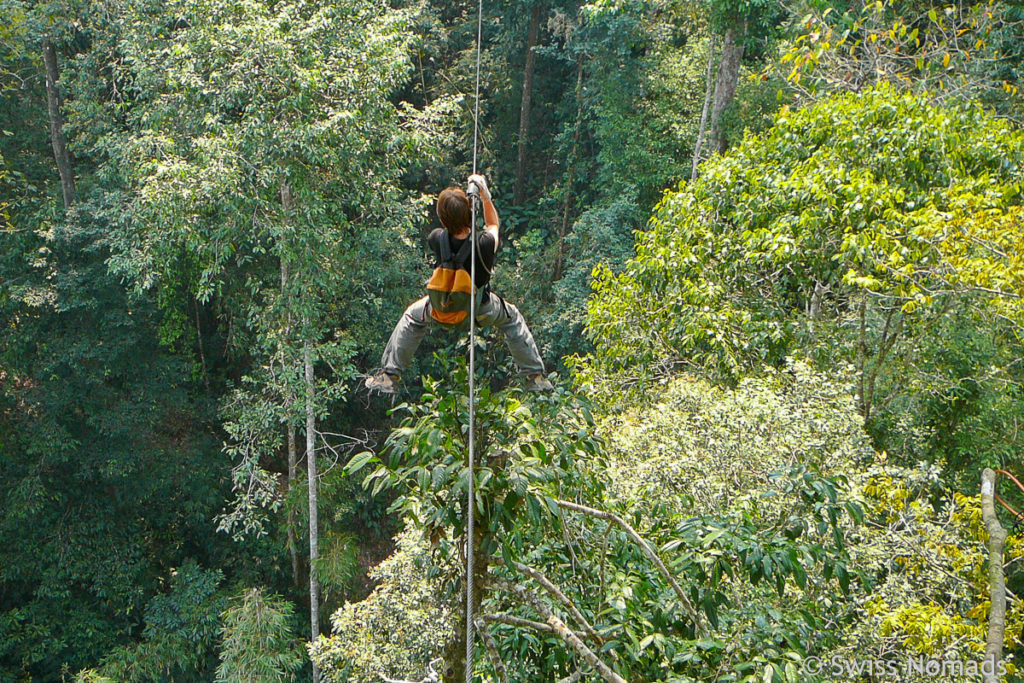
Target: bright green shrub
[[257, 643], [700, 446], [397, 630]]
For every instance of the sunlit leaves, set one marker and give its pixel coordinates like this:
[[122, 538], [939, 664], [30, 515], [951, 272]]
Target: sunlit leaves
[[875, 191], [294, 93], [956, 50]]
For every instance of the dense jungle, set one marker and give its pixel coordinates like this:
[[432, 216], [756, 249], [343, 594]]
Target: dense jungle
[[771, 253]]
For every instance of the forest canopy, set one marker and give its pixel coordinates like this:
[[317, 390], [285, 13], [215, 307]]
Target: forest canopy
[[771, 253]]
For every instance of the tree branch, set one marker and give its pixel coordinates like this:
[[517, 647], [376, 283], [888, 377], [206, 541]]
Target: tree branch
[[573, 677], [510, 620], [562, 598], [492, 650], [647, 550], [568, 636]]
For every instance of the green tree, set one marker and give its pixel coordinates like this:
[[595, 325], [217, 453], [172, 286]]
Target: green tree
[[616, 545], [257, 642], [179, 638], [261, 170], [105, 451], [849, 232]]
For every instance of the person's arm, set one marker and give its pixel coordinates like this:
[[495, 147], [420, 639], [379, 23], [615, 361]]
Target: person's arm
[[491, 221]]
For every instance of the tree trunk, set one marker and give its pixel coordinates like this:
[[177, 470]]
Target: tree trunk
[[890, 334], [708, 91], [725, 85], [571, 171], [289, 401], [455, 655], [314, 550], [60, 144], [862, 353], [996, 581], [311, 480], [199, 346], [814, 305], [293, 473], [524, 108], [293, 458]]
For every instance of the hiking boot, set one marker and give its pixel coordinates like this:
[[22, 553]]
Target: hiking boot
[[538, 382], [383, 382]]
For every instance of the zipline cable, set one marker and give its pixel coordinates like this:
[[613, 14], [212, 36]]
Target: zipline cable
[[471, 494]]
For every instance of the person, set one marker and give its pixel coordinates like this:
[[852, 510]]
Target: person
[[454, 211]]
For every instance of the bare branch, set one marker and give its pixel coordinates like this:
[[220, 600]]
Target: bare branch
[[647, 550], [492, 650], [510, 620], [568, 636], [562, 598], [338, 450]]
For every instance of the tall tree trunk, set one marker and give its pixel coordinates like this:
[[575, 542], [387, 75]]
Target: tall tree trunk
[[293, 473], [314, 540], [455, 654], [991, 665], [293, 468], [725, 84], [708, 90], [862, 354], [524, 107], [199, 346], [571, 171], [311, 474], [60, 144]]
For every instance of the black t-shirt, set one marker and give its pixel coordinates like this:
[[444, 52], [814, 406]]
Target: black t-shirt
[[484, 252]]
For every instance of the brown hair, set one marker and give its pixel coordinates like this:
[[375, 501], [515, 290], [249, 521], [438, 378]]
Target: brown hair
[[453, 209]]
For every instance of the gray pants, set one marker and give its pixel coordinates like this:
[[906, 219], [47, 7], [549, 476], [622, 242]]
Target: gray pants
[[416, 321]]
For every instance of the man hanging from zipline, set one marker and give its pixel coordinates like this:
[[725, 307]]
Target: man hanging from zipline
[[447, 302]]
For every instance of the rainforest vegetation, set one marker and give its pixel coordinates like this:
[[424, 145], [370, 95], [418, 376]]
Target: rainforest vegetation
[[772, 252]]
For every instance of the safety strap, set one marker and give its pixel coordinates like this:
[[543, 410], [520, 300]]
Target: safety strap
[[461, 257]]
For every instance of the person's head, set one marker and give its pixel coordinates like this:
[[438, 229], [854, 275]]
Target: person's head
[[453, 209]]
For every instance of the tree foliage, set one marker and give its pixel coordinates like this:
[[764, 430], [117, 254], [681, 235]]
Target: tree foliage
[[400, 627], [953, 51], [850, 233], [197, 196], [777, 535], [257, 644]]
